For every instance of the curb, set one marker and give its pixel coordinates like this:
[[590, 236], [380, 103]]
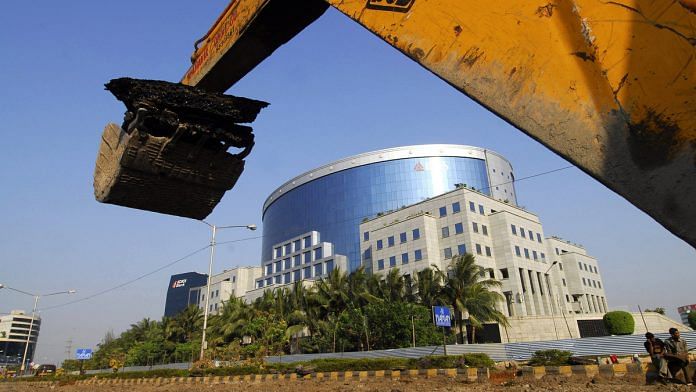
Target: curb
[[480, 375]]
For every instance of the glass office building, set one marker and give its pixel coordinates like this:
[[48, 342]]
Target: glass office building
[[335, 198]]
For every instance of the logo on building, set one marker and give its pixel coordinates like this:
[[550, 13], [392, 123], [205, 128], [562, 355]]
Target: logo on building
[[418, 167], [390, 5], [179, 283]]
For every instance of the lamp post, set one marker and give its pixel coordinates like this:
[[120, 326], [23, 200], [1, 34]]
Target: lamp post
[[213, 229], [33, 315]]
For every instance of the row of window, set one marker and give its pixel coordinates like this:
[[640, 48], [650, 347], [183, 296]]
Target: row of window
[[291, 247], [417, 256], [524, 233], [534, 254], [295, 261], [459, 229], [456, 207], [415, 234], [588, 268], [319, 270], [591, 283], [461, 249]]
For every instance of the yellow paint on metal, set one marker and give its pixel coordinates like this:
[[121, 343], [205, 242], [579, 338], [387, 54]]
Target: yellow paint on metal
[[224, 33], [609, 85]]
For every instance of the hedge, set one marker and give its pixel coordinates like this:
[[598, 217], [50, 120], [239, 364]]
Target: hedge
[[550, 358], [619, 322]]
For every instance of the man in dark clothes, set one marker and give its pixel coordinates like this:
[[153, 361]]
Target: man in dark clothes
[[656, 348]]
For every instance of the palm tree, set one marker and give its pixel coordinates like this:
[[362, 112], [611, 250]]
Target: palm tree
[[429, 286], [189, 321], [393, 286], [481, 303], [466, 293]]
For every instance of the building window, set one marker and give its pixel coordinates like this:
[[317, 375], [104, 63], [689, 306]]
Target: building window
[[564, 282], [278, 252], [585, 265], [455, 207], [368, 254], [531, 236], [318, 254], [445, 232], [475, 226], [560, 266], [461, 249], [539, 238], [583, 282], [443, 211], [543, 256], [269, 281], [329, 266], [298, 245], [488, 251], [287, 264], [319, 269], [307, 272], [307, 242], [517, 251], [504, 273], [392, 261], [580, 265], [448, 253], [259, 284], [366, 236], [418, 255], [390, 241], [526, 253], [594, 283], [458, 228], [478, 249], [472, 206], [380, 264], [286, 277], [277, 266], [404, 258], [416, 234], [277, 279], [534, 255], [288, 248], [402, 237], [296, 260], [514, 229], [269, 269], [567, 298], [234, 279], [307, 257], [379, 244], [297, 275], [599, 284], [557, 251], [481, 210], [522, 232], [484, 229]]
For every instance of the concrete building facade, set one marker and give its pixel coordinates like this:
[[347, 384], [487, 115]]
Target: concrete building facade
[[14, 330], [541, 277], [235, 282]]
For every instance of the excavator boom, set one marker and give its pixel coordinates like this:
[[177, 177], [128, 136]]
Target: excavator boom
[[608, 85]]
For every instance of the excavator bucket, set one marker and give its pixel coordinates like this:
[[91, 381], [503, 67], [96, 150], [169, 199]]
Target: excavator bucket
[[170, 155]]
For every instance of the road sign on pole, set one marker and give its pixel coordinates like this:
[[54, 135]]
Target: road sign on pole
[[442, 316], [83, 353]]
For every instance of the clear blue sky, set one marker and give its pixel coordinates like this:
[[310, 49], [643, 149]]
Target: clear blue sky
[[335, 90]]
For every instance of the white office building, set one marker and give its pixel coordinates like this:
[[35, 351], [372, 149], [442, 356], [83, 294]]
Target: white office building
[[14, 330], [234, 282]]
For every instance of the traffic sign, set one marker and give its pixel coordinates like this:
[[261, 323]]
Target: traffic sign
[[442, 316], [83, 353]]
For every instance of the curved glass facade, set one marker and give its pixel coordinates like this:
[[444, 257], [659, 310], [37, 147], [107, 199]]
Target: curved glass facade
[[335, 204]]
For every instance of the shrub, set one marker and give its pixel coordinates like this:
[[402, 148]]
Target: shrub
[[446, 362], [619, 322], [550, 358]]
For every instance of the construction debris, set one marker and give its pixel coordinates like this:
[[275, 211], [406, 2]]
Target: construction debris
[[171, 153]]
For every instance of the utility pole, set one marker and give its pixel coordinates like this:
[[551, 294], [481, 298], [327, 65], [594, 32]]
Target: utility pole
[[68, 348]]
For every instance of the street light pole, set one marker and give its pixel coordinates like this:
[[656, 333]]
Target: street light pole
[[213, 229], [31, 322]]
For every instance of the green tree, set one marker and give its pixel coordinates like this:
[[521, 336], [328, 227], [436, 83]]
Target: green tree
[[692, 319], [657, 310], [619, 322]]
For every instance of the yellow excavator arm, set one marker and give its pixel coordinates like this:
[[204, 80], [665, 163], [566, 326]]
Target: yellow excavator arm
[[608, 85]]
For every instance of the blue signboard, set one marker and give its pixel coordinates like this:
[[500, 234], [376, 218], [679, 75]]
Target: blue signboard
[[442, 317], [83, 353]]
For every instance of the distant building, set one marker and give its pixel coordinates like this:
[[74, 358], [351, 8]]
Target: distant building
[[684, 312], [235, 282], [178, 293], [14, 330], [302, 258]]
